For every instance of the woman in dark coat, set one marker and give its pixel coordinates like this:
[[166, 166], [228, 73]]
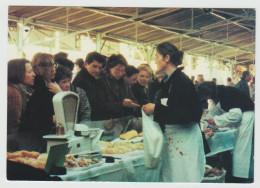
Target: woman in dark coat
[[178, 112], [115, 95], [38, 117], [20, 81]]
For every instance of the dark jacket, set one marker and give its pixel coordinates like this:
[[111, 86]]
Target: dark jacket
[[153, 88], [112, 93], [139, 94], [230, 97], [90, 85], [243, 86], [183, 105], [19, 171], [39, 113]]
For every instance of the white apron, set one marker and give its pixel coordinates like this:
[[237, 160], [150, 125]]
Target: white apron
[[243, 146], [183, 157]]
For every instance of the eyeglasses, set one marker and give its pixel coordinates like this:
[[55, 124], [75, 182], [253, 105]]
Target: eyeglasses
[[119, 71], [48, 65]]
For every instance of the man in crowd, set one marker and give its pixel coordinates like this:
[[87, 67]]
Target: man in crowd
[[243, 83], [200, 79], [230, 83], [214, 80], [87, 80]]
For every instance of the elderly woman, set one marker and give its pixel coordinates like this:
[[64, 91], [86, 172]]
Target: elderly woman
[[140, 88], [38, 117], [63, 78], [115, 95], [20, 80], [178, 113]]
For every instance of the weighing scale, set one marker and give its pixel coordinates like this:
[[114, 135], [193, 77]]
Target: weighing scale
[[80, 138]]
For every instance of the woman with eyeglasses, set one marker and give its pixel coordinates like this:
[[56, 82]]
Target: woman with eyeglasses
[[38, 117], [116, 97]]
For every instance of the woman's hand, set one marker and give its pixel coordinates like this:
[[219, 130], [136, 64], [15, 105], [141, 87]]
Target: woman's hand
[[129, 103], [149, 108], [54, 119], [211, 121], [54, 87]]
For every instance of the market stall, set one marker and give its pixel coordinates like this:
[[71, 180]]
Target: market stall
[[129, 168], [96, 153]]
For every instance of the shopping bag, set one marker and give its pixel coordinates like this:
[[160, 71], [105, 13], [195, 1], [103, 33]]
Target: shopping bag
[[153, 141]]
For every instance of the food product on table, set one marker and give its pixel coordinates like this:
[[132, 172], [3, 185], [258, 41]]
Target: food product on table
[[23, 153], [212, 172], [106, 144], [120, 147], [208, 132], [72, 162], [129, 135], [140, 134], [34, 159]]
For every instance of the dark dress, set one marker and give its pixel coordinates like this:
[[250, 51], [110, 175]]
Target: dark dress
[[183, 101], [38, 117], [112, 93], [139, 94], [90, 85], [230, 97], [153, 88]]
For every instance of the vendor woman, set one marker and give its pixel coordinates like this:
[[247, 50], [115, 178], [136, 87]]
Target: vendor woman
[[234, 108], [178, 112]]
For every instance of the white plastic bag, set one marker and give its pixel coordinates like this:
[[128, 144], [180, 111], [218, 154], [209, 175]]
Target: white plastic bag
[[153, 141]]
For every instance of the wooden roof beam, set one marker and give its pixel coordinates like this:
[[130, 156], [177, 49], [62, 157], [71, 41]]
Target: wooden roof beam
[[185, 35], [227, 51], [35, 14], [62, 17], [251, 18]]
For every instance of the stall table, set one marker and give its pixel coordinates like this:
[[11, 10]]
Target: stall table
[[221, 141], [130, 169]]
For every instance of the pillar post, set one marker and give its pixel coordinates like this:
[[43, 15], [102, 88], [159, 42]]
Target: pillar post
[[20, 30], [98, 42]]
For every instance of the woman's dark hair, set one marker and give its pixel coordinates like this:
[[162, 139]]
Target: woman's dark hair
[[114, 60], [60, 55], [207, 90], [79, 62], [131, 70], [65, 62], [167, 48], [62, 73], [41, 63], [16, 70]]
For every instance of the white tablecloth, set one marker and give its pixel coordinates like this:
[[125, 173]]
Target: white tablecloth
[[130, 169], [221, 141]]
